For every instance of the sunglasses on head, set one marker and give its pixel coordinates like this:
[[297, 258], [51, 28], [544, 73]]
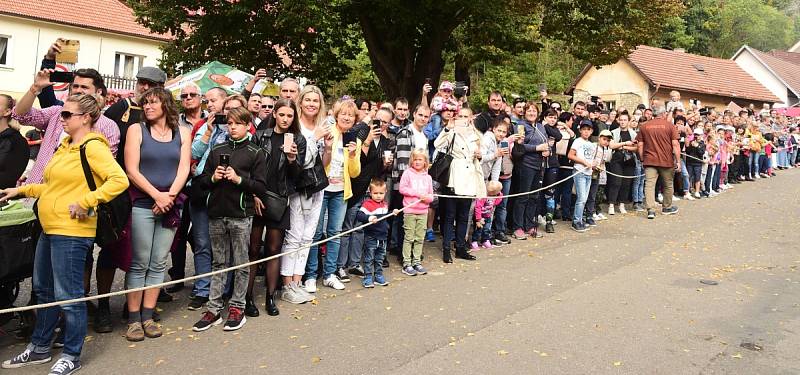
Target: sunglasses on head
[[67, 114], [267, 106], [189, 95], [555, 107]]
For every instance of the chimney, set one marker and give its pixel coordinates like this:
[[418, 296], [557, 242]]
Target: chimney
[[681, 50]]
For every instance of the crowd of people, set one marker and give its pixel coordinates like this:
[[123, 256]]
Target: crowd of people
[[237, 177]]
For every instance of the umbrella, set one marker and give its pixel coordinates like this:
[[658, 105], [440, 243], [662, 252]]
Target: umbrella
[[217, 74]]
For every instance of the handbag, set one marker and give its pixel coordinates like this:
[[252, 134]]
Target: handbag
[[440, 169], [275, 206], [111, 216]]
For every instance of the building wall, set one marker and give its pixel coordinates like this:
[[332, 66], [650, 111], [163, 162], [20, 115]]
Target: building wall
[[619, 83], [752, 66], [718, 103], [30, 40]]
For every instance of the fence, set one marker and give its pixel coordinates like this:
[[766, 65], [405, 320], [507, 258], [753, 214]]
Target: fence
[[119, 83]]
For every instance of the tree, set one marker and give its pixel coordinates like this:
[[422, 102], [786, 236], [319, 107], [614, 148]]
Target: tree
[[406, 39]]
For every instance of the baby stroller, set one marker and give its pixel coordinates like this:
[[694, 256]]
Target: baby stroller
[[19, 233]]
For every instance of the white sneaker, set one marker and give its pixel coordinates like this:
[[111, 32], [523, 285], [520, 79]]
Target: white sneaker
[[697, 194], [311, 285], [622, 209], [595, 217], [611, 209], [601, 216], [676, 198], [689, 197], [291, 295], [713, 193], [660, 198], [333, 282]]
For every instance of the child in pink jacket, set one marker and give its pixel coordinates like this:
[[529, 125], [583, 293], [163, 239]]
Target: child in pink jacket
[[415, 184], [484, 211]]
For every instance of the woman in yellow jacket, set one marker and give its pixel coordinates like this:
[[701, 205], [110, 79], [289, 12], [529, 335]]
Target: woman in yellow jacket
[[66, 212], [342, 162], [755, 145]]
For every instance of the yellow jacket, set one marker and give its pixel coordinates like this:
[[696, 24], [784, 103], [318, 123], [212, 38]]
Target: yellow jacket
[[352, 167], [64, 184]]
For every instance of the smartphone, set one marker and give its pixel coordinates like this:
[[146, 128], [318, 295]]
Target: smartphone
[[225, 160], [62, 77], [348, 137], [427, 81], [220, 119], [376, 124], [503, 144], [521, 130], [288, 140]]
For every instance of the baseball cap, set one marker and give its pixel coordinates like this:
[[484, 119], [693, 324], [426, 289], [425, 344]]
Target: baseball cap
[[698, 131], [152, 74], [446, 85], [586, 123], [606, 133]]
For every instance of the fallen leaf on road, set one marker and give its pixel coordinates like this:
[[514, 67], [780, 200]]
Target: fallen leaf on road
[[262, 366], [388, 307], [315, 302], [543, 354], [132, 345], [304, 346], [737, 355], [502, 352], [470, 334], [160, 361], [617, 363], [315, 359]]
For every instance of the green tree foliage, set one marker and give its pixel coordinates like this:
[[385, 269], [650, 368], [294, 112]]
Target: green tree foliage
[[406, 39]]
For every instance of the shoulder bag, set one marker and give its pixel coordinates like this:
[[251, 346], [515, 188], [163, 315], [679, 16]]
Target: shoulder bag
[[111, 216], [440, 169]]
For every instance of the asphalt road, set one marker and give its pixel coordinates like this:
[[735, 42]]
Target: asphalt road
[[625, 298]]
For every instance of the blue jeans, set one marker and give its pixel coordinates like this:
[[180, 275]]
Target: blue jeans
[[454, 213], [483, 234], [685, 174], [201, 248], [374, 255], [752, 162], [564, 191], [151, 243], [500, 212], [638, 183], [352, 244], [333, 205], [58, 276], [583, 183]]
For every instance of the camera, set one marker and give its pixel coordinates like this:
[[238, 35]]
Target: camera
[[459, 89], [704, 111]]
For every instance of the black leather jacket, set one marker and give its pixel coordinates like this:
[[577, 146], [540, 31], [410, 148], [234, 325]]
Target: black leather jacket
[[281, 180]]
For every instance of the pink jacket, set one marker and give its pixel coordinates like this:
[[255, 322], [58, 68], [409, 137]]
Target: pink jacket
[[484, 207], [414, 185]]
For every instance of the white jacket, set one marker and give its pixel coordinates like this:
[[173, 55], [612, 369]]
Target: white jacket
[[466, 174]]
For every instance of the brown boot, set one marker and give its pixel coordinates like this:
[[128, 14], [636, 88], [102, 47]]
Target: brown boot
[[135, 332], [151, 329]]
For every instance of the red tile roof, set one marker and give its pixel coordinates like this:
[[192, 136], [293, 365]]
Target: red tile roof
[[682, 71], [792, 57], [112, 16]]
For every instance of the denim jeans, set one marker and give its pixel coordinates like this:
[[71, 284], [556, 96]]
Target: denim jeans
[[353, 243], [374, 255], [201, 248], [230, 239], [334, 206], [753, 163], [151, 243], [638, 183], [685, 174], [58, 276], [526, 207], [591, 199], [483, 234], [500, 212], [564, 191], [455, 218], [583, 183]]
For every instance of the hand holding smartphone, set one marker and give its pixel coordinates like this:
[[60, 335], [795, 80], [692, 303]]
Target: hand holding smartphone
[[225, 160], [288, 141]]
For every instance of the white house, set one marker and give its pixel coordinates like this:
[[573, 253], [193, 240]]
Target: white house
[[775, 70], [111, 40]]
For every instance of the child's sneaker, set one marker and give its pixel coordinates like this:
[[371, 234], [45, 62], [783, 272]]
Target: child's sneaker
[[293, 295], [207, 321], [26, 358], [430, 236], [487, 244], [333, 282], [65, 367], [420, 270], [474, 245], [408, 270], [381, 280], [611, 209], [311, 286], [697, 194], [689, 196], [520, 234], [236, 319], [590, 222], [367, 282]]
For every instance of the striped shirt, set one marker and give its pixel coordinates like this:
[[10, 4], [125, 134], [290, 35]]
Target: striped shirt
[[49, 120]]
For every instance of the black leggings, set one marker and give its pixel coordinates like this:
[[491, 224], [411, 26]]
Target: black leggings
[[619, 189]]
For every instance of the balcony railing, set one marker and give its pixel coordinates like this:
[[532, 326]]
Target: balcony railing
[[119, 83]]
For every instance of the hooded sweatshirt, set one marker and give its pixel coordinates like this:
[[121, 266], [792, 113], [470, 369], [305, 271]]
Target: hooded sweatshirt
[[64, 184], [14, 156], [413, 185]]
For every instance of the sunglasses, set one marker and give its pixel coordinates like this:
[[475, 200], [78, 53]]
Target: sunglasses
[[555, 107], [190, 95], [267, 106], [67, 114]]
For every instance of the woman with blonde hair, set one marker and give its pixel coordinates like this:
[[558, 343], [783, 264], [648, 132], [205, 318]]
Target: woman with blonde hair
[[67, 214]]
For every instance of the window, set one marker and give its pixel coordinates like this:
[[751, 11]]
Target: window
[[5, 47], [610, 104], [127, 65]]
